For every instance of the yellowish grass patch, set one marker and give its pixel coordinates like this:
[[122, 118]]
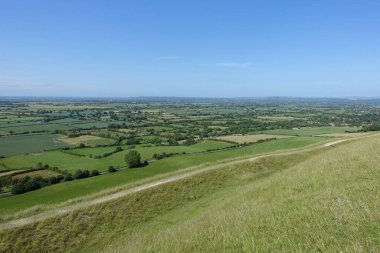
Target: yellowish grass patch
[[78, 140], [250, 138], [38, 173]]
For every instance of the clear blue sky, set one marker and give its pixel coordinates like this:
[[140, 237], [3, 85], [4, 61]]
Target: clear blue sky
[[190, 48]]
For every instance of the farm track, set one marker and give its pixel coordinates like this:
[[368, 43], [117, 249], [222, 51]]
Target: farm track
[[64, 210]]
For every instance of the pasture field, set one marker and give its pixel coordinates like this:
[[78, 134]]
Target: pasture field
[[17, 119], [250, 138], [310, 131], [65, 191], [147, 152], [64, 107], [66, 161], [61, 160], [85, 139], [89, 125], [151, 138], [35, 128], [306, 202], [342, 135], [21, 144], [276, 118], [38, 173]]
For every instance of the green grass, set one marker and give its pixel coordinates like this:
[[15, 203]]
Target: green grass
[[322, 201], [14, 145], [35, 128], [147, 152], [61, 160], [66, 161], [14, 118], [78, 188], [310, 131], [90, 125]]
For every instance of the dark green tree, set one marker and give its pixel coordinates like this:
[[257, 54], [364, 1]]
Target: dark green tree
[[133, 159]]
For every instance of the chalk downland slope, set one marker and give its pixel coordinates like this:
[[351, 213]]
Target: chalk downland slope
[[321, 201]]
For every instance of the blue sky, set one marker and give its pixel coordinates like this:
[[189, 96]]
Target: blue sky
[[312, 48]]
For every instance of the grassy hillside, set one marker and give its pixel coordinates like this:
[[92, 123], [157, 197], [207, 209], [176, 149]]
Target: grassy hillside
[[78, 188], [325, 201]]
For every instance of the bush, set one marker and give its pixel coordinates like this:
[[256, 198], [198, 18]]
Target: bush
[[95, 173], [29, 184], [68, 177], [86, 173], [53, 180], [79, 174], [18, 188], [111, 169]]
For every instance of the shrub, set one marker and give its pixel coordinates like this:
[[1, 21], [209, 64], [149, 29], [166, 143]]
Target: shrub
[[95, 173], [79, 174], [68, 177], [53, 180], [111, 169], [18, 188]]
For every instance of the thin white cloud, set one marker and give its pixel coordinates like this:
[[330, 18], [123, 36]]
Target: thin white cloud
[[167, 58], [228, 64]]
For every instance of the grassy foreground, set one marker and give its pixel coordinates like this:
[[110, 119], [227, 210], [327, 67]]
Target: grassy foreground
[[312, 202]]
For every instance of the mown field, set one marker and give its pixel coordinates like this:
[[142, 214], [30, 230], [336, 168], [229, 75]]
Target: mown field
[[250, 138], [320, 201], [21, 144], [67, 161], [310, 131], [147, 152], [78, 188]]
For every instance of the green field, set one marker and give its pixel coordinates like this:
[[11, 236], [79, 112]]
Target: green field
[[320, 201], [147, 152], [66, 161], [20, 144], [90, 125], [310, 131], [65, 191], [35, 128]]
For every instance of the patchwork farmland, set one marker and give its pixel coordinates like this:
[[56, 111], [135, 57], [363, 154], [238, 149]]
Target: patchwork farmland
[[63, 155]]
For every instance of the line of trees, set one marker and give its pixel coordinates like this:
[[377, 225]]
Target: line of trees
[[26, 184]]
